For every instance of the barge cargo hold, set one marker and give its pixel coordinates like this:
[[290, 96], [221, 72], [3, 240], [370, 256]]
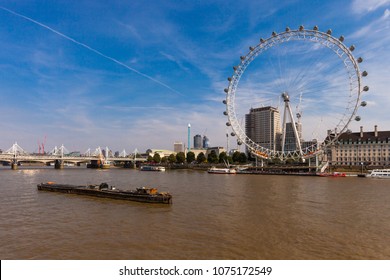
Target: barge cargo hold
[[149, 195]]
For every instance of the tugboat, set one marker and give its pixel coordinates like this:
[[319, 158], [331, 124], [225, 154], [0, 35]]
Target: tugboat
[[150, 195]]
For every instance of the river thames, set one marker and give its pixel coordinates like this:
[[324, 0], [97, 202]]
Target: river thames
[[212, 217]]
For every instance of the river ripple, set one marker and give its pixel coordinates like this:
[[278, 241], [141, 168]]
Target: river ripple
[[212, 217]]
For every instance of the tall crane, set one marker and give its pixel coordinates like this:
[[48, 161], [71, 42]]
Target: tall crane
[[41, 146]]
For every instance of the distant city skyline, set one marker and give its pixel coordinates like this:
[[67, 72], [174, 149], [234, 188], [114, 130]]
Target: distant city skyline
[[134, 75]]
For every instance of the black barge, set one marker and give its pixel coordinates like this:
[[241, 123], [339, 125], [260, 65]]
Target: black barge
[[150, 195]]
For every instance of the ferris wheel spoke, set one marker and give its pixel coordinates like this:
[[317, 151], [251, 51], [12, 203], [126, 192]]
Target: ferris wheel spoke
[[274, 69]]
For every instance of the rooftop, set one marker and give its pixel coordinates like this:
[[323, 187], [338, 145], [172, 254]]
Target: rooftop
[[365, 136]]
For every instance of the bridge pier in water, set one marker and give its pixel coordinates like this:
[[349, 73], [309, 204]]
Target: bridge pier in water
[[94, 164], [14, 163], [59, 164], [128, 164]]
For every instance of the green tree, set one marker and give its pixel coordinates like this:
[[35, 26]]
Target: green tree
[[150, 158], [236, 156], [190, 157], [201, 158], [172, 158], [223, 157], [157, 158], [180, 157], [242, 158], [164, 160], [212, 157]]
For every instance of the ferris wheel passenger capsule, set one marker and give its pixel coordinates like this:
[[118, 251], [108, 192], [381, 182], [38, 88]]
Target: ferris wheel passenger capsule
[[366, 88], [352, 48], [341, 39], [235, 68], [225, 113], [329, 32], [301, 28], [315, 28], [233, 134], [242, 57], [287, 29], [363, 104], [251, 48], [229, 79], [262, 40], [228, 124], [357, 118], [226, 90], [224, 101], [274, 33], [360, 60]]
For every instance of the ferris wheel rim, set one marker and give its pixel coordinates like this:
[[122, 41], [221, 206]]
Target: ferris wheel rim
[[301, 34]]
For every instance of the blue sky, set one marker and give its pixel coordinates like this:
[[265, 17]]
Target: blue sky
[[133, 74]]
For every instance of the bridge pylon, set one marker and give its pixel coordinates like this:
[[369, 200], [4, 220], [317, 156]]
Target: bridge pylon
[[15, 150]]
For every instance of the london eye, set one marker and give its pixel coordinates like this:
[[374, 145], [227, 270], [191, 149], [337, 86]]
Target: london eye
[[296, 92]]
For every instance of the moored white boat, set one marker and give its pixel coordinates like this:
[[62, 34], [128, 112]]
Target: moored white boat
[[380, 173], [152, 168], [216, 170]]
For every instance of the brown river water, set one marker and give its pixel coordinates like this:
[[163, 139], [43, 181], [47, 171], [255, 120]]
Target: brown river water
[[212, 217]]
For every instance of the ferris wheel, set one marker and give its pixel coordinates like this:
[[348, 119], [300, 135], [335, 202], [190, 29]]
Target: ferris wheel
[[311, 77]]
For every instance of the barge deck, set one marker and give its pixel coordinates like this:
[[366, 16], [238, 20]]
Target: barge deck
[[149, 195]]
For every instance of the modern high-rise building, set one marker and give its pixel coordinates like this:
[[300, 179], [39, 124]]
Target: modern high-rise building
[[290, 143], [197, 141], [178, 147], [206, 142], [188, 137], [262, 126]]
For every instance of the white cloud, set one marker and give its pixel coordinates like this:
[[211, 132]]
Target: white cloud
[[374, 47], [174, 59], [367, 6]]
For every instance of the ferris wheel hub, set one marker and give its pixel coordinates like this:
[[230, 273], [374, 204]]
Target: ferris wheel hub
[[286, 97]]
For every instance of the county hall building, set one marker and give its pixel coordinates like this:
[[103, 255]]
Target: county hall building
[[371, 149]]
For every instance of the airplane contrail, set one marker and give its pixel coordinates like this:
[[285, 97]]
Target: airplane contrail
[[91, 49]]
